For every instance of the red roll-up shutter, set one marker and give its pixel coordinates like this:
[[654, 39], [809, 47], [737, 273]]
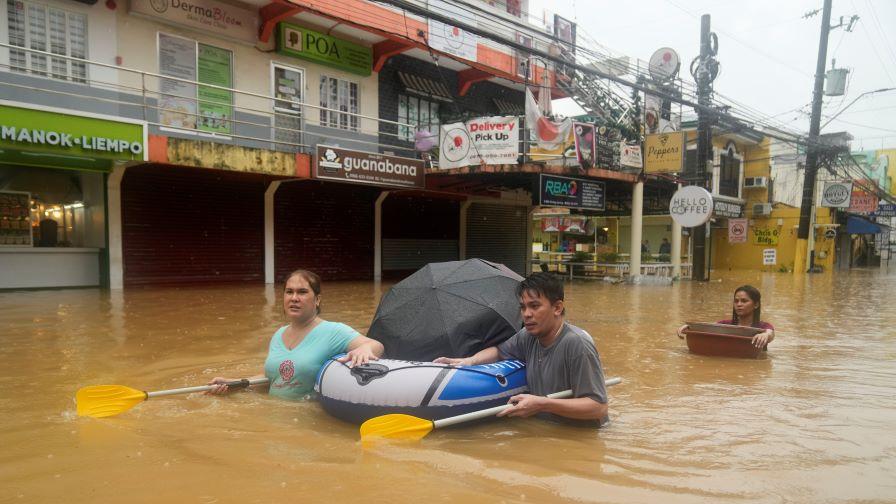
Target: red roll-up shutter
[[185, 225], [326, 228]]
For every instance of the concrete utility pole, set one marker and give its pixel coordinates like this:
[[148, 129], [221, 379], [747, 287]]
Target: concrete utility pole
[[805, 257], [704, 76]]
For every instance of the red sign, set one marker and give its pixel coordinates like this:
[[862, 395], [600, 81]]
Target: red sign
[[737, 230], [862, 202]]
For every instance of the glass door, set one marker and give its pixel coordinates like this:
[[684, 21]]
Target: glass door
[[288, 85]]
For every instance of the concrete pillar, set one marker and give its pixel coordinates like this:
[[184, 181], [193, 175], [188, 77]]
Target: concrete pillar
[[676, 247], [378, 236], [269, 196], [116, 256], [637, 222], [462, 239]]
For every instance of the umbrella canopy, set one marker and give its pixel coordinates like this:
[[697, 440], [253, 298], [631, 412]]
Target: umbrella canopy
[[450, 309]]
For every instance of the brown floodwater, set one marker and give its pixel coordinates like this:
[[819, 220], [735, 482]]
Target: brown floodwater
[[812, 422]]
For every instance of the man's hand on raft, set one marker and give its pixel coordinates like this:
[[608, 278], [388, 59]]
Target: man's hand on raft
[[524, 405], [453, 361], [361, 355]]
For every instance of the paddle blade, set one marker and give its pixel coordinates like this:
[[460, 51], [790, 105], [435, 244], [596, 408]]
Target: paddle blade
[[100, 401], [396, 426]]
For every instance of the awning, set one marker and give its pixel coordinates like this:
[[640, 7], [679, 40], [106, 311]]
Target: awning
[[508, 107], [858, 225], [427, 88]]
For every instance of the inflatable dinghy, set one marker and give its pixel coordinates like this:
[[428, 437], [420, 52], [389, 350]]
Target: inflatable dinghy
[[422, 389]]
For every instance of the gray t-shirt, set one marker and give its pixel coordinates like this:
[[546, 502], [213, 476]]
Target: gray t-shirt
[[571, 362]]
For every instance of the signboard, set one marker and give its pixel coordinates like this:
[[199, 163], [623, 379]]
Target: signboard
[[451, 39], [571, 192], [885, 210], [208, 16], [769, 257], [630, 156], [335, 163], [300, 42], [215, 66], [691, 206], [607, 144], [185, 105], [830, 233], [15, 219], [765, 236], [664, 153], [862, 202], [737, 230], [728, 209], [58, 135], [836, 194], [584, 135], [489, 140]]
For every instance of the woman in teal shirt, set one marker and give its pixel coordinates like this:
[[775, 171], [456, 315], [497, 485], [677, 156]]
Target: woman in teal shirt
[[298, 350]]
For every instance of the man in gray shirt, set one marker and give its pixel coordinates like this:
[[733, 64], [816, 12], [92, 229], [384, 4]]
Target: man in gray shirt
[[558, 356]]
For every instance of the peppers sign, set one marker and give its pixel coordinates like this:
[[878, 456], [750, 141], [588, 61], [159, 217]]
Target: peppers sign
[[691, 206], [836, 194], [664, 152], [308, 44]]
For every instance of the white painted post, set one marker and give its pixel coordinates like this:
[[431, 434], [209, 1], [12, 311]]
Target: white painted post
[[116, 256], [676, 247], [269, 196], [378, 236], [637, 222]]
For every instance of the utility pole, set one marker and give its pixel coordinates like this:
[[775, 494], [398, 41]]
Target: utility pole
[[805, 257], [704, 74]]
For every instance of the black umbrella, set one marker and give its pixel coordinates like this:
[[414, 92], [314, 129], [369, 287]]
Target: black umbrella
[[450, 309]]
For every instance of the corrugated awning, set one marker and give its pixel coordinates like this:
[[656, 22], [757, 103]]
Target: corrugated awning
[[508, 107], [425, 87]]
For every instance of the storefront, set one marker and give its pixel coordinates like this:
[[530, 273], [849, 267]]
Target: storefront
[[53, 218]]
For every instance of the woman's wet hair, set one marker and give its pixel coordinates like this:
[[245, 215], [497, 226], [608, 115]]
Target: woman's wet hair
[[309, 276], [542, 284], [756, 297]]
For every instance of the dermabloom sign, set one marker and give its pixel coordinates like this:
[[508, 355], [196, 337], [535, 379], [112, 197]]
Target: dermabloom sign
[[691, 206], [359, 167], [207, 15]]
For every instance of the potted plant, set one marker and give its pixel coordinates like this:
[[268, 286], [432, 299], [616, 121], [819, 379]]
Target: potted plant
[[608, 257], [579, 257]]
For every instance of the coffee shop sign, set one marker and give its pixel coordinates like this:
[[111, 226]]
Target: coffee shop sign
[[691, 206]]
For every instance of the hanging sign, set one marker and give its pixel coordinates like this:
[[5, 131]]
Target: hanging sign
[[728, 209], [299, 42], [335, 163], [769, 257], [451, 39], [765, 236], [208, 16], [691, 206], [489, 140], [571, 192], [862, 202], [885, 210], [584, 135], [663, 153], [630, 156], [836, 194], [737, 230]]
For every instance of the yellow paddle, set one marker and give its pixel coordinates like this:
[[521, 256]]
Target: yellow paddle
[[100, 401], [407, 427]]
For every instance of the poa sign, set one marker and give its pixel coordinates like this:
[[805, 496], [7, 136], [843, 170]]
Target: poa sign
[[691, 206]]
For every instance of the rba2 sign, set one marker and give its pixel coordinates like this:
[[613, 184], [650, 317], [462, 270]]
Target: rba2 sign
[[836, 194]]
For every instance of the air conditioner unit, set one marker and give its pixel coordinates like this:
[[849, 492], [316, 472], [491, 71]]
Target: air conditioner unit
[[756, 182], [762, 209]]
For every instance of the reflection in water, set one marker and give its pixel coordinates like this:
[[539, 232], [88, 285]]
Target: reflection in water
[[811, 422]]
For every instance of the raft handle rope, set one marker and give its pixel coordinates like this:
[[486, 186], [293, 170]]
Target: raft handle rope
[[367, 373]]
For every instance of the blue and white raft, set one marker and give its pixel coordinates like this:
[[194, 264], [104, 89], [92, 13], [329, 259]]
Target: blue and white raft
[[422, 389]]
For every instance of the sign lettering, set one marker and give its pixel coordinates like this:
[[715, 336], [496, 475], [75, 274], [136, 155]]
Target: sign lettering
[[572, 192], [765, 236], [299, 42]]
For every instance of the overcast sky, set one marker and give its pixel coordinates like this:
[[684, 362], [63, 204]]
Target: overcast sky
[[767, 51]]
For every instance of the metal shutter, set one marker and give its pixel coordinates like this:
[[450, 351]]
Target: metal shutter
[[498, 233]]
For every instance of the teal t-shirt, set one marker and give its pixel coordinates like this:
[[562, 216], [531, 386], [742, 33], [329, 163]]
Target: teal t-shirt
[[292, 372]]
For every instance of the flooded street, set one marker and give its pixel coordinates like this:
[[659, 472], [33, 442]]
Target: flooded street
[[812, 422]]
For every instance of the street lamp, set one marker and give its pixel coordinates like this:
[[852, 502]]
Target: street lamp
[[857, 99]]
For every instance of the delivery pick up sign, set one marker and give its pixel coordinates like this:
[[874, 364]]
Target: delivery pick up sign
[[691, 206]]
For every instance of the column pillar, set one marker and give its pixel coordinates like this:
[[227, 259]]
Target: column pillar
[[113, 199], [378, 236], [269, 195], [637, 222]]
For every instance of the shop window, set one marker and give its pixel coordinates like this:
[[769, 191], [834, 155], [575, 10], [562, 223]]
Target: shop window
[[342, 95], [288, 89], [183, 104], [422, 114], [515, 8], [729, 175], [42, 28]]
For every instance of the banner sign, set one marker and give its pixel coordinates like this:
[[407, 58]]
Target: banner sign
[[769, 257], [207, 16], [489, 140], [726, 209], [451, 39], [215, 66], [299, 42], [578, 225], [571, 192], [885, 210], [630, 156], [63, 135], [691, 206], [836, 194], [584, 135], [737, 230], [765, 236], [664, 153], [335, 163], [862, 202], [607, 142]]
